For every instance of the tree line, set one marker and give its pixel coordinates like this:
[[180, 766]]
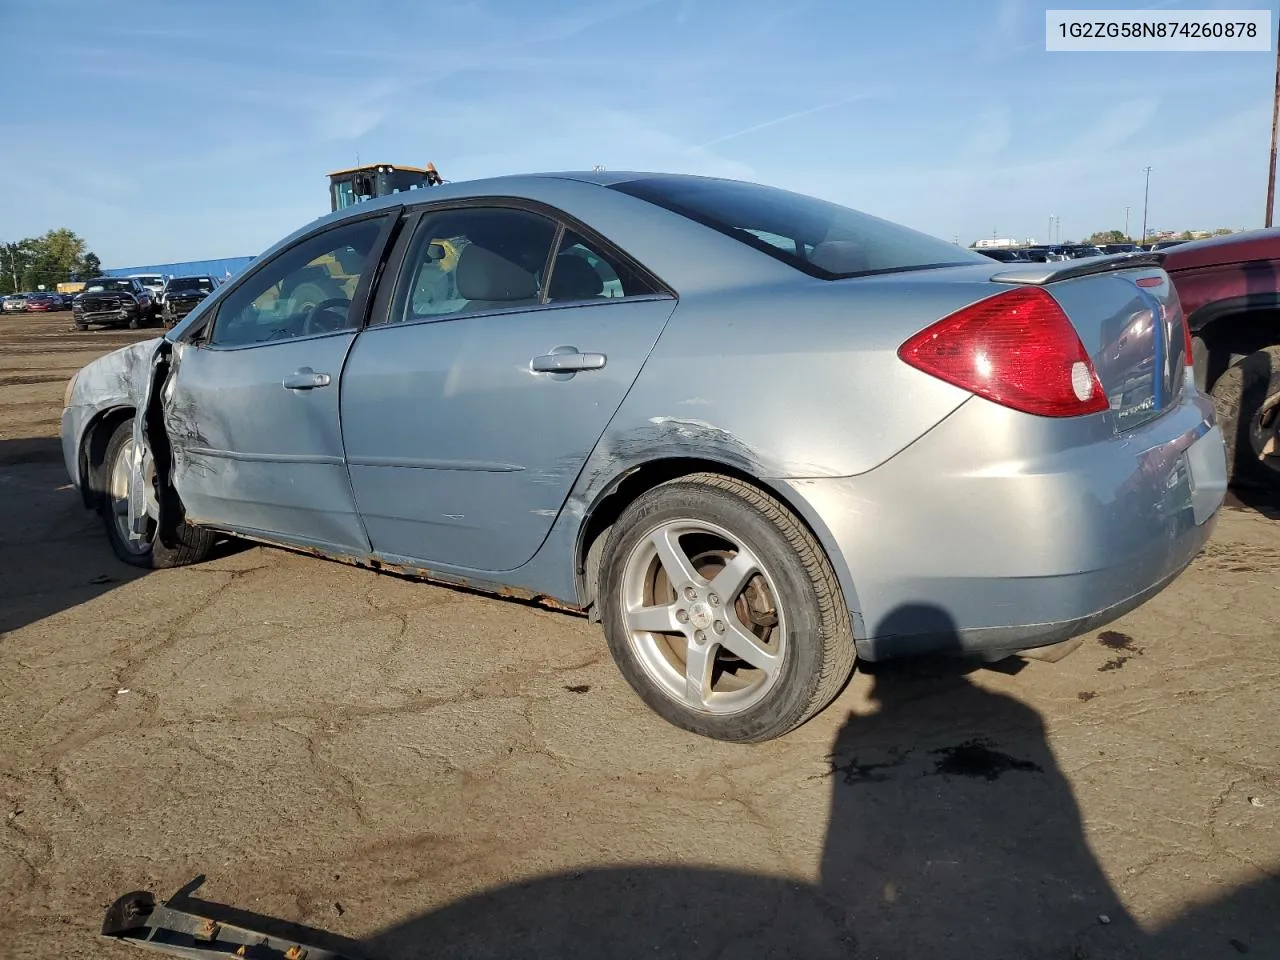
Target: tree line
[[58, 256], [1099, 237], [1117, 236]]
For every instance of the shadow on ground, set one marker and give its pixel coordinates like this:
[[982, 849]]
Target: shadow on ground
[[54, 554], [1264, 502], [952, 833]]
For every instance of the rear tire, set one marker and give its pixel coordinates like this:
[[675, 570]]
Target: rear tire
[[776, 645], [184, 544], [1247, 401]]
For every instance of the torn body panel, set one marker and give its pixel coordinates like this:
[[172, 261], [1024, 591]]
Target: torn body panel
[[251, 453], [119, 381]]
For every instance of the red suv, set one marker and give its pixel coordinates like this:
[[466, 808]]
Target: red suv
[[1230, 292]]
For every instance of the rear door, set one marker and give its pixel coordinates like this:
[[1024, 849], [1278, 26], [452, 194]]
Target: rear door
[[251, 407], [472, 401]]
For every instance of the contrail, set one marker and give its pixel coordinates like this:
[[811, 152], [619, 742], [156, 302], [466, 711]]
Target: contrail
[[790, 116]]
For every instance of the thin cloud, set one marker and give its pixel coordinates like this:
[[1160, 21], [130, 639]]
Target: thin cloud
[[789, 117]]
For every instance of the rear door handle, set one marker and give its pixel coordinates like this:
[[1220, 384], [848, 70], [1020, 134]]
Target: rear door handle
[[304, 378], [567, 362]]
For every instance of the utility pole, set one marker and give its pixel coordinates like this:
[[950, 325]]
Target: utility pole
[[1146, 192], [1049, 239], [1126, 222], [1275, 116]]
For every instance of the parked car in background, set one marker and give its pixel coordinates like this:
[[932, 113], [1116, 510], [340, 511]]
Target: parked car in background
[[647, 397], [153, 283], [1046, 253], [14, 303], [1078, 251], [1229, 288], [43, 302], [1004, 254], [112, 301], [1166, 244], [181, 294], [1119, 248]]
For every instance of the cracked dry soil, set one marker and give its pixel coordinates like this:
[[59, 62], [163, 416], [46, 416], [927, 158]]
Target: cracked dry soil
[[431, 773]]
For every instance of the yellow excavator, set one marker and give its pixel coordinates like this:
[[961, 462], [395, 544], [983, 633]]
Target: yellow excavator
[[351, 186]]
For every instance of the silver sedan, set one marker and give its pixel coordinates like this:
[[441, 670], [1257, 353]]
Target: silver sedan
[[752, 433]]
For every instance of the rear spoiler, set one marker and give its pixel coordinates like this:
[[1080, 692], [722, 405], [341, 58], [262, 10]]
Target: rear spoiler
[[1039, 274]]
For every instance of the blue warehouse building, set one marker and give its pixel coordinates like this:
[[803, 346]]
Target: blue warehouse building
[[220, 270]]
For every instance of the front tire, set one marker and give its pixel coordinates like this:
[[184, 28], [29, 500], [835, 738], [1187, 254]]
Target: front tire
[[722, 611], [1246, 399], [186, 544]]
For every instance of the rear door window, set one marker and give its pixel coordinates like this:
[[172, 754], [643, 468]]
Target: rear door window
[[474, 260]]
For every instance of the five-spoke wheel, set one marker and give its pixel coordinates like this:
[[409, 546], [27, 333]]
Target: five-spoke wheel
[[722, 611]]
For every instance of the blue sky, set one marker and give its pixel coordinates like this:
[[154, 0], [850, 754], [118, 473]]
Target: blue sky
[[186, 130]]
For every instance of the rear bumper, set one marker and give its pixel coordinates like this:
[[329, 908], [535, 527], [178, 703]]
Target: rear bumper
[[997, 531]]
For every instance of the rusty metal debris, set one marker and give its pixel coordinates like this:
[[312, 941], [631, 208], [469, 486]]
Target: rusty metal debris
[[186, 927]]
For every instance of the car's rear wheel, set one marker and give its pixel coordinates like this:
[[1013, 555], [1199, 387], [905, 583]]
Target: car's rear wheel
[[722, 611], [185, 544], [1247, 401]]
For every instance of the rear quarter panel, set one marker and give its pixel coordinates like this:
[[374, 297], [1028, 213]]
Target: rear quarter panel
[[790, 380]]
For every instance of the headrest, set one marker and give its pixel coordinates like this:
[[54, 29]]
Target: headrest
[[351, 261], [840, 256], [484, 275], [574, 279]]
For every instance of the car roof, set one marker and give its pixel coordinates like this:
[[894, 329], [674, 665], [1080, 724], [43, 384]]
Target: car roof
[[529, 185]]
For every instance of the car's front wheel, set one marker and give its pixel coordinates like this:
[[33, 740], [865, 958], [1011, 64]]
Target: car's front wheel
[[722, 611], [183, 545]]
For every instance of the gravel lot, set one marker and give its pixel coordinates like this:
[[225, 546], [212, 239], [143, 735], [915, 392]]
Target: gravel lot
[[434, 773]]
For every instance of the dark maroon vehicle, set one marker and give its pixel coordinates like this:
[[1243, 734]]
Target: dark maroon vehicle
[[43, 302], [1230, 293]]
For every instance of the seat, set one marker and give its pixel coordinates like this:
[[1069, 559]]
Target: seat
[[840, 256], [573, 278], [490, 281]]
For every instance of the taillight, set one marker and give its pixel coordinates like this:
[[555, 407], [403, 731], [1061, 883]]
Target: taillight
[[1017, 349]]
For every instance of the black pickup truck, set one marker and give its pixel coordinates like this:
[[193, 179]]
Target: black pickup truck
[[112, 302], [181, 294]]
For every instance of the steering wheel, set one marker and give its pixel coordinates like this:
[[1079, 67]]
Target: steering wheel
[[311, 325]]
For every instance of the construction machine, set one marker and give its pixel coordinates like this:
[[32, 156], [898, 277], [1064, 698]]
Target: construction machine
[[347, 187]]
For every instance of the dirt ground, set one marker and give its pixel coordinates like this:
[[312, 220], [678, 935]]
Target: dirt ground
[[425, 772]]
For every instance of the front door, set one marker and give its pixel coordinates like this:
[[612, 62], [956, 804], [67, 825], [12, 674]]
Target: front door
[[251, 407], [469, 408]]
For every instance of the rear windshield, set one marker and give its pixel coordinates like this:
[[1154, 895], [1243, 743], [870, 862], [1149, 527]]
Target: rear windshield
[[822, 239]]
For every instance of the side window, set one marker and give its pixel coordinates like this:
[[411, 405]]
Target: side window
[[306, 290], [581, 272], [464, 261]]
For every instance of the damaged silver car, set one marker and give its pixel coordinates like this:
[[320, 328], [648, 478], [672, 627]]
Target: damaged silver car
[[752, 433]]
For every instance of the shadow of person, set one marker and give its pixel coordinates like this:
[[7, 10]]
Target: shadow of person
[[952, 833]]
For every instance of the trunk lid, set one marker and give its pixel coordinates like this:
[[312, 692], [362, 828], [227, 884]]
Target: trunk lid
[[1126, 312]]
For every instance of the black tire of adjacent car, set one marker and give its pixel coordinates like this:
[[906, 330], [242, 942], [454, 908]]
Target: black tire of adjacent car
[[820, 651], [185, 544], [1241, 396]]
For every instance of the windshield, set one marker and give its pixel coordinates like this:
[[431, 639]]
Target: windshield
[[186, 284], [822, 239], [109, 285]]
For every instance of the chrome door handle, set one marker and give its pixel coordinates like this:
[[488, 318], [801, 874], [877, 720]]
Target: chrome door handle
[[304, 378], [567, 362]]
